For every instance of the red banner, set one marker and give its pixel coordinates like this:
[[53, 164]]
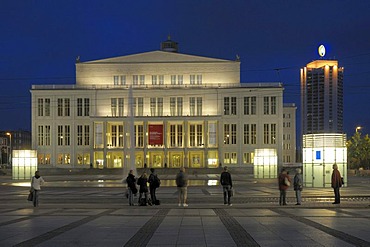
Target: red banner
[[155, 134]]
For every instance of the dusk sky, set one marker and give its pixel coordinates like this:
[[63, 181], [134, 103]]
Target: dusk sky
[[40, 41]]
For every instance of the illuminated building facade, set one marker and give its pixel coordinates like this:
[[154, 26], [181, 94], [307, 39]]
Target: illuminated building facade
[[322, 97], [188, 110]]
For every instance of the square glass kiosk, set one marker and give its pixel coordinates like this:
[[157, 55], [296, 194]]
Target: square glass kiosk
[[320, 152], [24, 164], [265, 163]]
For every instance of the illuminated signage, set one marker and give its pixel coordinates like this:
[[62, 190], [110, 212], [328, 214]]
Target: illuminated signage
[[156, 134], [322, 50]]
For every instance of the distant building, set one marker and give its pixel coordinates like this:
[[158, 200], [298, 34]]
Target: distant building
[[188, 110], [13, 140], [322, 97], [289, 133]]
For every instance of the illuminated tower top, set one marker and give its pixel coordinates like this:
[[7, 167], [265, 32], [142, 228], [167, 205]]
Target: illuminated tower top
[[169, 45]]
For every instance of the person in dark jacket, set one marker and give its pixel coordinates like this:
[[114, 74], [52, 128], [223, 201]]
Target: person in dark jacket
[[298, 185], [131, 187], [227, 185], [284, 183], [336, 183], [182, 187], [143, 183], [153, 185]]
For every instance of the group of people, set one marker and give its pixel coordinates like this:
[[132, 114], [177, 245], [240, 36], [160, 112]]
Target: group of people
[[142, 182], [181, 184], [285, 182], [154, 182]]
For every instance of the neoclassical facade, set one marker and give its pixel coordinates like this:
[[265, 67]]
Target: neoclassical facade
[[165, 108]]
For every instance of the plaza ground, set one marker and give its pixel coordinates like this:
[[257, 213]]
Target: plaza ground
[[91, 210]]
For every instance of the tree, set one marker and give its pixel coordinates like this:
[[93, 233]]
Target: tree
[[358, 151]]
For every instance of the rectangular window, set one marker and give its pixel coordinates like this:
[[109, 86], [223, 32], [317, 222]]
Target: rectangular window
[[135, 79], [60, 107], [199, 135], [79, 107], [173, 106], [246, 105], [160, 106], [192, 79], [179, 135], [199, 106], [154, 80], [226, 158], [161, 79], [226, 134], [40, 107], [253, 105], [196, 135], [212, 134], [247, 134], [234, 159], [47, 135], [273, 105], [153, 104], [266, 134], [67, 106], [79, 135], [40, 139], [115, 79], [60, 135], [233, 133], [253, 133], [233, 105], [142, 79], [120, 107], [87, 135], [123, 79], [113, 106], [199, 79], [47, 107], [140, 106], [248, 158], [192, 106], [192, 135], [87, 107], [180, 79], [120, 135], [266, 105], [173, 79], [67, 135], [273, 133], [226, 106], [179, 106]]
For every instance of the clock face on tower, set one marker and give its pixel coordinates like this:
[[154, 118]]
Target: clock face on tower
[[321, 50]]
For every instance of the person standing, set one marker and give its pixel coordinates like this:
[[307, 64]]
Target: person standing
[[154, 183], [298, 185], [336, 183], [36, 182], [227, 185], [143, 190], [284, 183], [131, 187], [182, 187]]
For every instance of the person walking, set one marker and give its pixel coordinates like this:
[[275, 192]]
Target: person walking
[[131, 187], [36, 182], [182, 187], [143, 190], [336, 183], [154, 183], [284, 183], [227, 185], [298, 185]]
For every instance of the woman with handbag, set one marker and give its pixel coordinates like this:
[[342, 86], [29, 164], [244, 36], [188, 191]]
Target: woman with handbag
[[36, 182]]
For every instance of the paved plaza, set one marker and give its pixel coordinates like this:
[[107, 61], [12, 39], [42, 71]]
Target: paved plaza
[[92, 211]]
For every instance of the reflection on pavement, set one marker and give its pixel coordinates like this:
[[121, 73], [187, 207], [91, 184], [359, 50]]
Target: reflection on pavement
[[110, 183]]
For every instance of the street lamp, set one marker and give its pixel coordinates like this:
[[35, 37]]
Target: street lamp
[[358, 128], [10, 150]]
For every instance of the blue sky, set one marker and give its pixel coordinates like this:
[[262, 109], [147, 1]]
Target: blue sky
[[40, 41]]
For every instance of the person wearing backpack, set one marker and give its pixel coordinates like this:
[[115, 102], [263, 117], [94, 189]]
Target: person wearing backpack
[[36, 183], [154, 183], [182, 187]]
